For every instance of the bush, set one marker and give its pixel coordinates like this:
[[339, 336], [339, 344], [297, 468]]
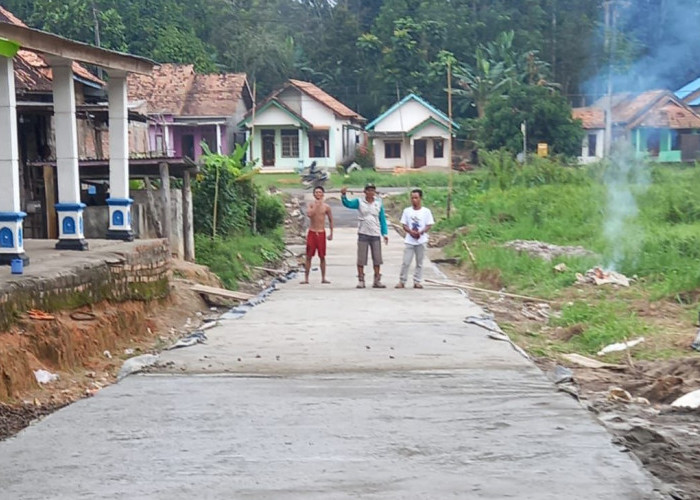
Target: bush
[[269, 213], [364, 157]]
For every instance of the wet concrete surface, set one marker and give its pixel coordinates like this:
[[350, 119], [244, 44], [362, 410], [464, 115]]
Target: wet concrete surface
[[330, 392], [398, 435]]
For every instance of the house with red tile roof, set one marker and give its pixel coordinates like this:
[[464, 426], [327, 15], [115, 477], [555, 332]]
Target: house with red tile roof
[[657, 123], [186, 108], [300, 123]]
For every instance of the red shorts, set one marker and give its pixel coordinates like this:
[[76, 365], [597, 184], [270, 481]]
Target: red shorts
[[316, 242]]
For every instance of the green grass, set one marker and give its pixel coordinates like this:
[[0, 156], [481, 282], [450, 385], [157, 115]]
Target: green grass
[[232, 258], [605, 323], [659, 243], [381, 179]]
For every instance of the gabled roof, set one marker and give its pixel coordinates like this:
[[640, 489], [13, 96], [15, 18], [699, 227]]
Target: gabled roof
[[688, 89], [428, 121], [337, 107], [327, 100], [176, 89], [32, 72], [654, 109], [279, 105], [410, 97], [590, 117]]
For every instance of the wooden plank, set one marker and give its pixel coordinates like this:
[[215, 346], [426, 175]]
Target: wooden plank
[[220, 292], [585, 362], [484, 290], [50, 203], [187, 218]]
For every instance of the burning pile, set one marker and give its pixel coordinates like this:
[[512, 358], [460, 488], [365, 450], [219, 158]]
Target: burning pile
[[598, 276]]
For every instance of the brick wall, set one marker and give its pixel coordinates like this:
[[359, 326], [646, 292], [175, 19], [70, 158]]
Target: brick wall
[[138, 275]]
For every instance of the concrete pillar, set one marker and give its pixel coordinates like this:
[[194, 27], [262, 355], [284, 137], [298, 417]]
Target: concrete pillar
[[119, 202], [165, 200], [187, 217], [70, 210], [11, 217], [218, 139]]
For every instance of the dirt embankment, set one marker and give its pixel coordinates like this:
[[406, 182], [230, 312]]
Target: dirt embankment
[[85, 348]]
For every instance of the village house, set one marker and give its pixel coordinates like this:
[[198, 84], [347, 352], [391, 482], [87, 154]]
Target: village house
[[57, 65], [411, 134], [299, 123], [185, 109], [658, 124]]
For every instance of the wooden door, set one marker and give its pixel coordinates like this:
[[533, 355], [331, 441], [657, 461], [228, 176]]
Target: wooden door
[[268, 148], [419, 153]]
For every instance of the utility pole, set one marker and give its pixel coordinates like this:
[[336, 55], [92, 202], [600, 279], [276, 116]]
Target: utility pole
[[523, 129], [98, 43], [449, 126], [611, 49]]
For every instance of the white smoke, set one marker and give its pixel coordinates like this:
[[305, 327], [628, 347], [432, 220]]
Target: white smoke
[[626, 179]]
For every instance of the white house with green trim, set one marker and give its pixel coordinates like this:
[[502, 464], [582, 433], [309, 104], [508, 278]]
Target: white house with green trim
[[658, 125], [300, 123], [411, 134]]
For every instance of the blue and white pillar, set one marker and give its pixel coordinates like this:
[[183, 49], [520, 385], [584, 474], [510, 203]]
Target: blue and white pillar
[[11, 217], [71, 234], [119, 202]]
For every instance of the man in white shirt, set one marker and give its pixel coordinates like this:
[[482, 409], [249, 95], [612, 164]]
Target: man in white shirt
[[416, 221]]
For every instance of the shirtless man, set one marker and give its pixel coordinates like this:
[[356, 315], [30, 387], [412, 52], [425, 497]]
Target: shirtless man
[[317, 211]]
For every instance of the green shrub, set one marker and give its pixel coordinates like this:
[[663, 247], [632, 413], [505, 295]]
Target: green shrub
[[269, 213], [364, 157]]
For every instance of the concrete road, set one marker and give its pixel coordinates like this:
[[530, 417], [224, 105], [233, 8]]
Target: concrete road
[[330, 392]]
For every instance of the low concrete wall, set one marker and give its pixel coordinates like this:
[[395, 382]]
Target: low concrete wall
[[97, 219], [138, 272]]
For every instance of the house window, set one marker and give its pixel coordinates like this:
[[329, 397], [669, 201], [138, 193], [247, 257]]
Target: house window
[[592, 144], [392, 150], [438, 148], [290, 144], [318, 144]]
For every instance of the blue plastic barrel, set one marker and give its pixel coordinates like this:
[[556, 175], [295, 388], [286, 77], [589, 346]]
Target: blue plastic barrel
[[17, 266]]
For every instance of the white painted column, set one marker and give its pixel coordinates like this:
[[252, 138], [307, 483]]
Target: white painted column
[[119, 202], [218, 139], [70, 210], [166, 140], [11, 217]]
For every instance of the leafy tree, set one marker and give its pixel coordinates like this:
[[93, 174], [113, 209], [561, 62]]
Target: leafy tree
[[546, 113]]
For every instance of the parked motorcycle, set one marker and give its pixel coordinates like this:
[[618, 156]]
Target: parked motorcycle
[[312, 176]]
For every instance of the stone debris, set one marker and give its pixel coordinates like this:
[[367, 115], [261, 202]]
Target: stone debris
[[547, 251], [561, 268], [620, 395], [536, 312], [598, 276], [620, 346], [193, 338], [690, 400], [45, 377], [136, 364]]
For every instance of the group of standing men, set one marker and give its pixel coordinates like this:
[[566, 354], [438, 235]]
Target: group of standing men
[[372, 228]]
